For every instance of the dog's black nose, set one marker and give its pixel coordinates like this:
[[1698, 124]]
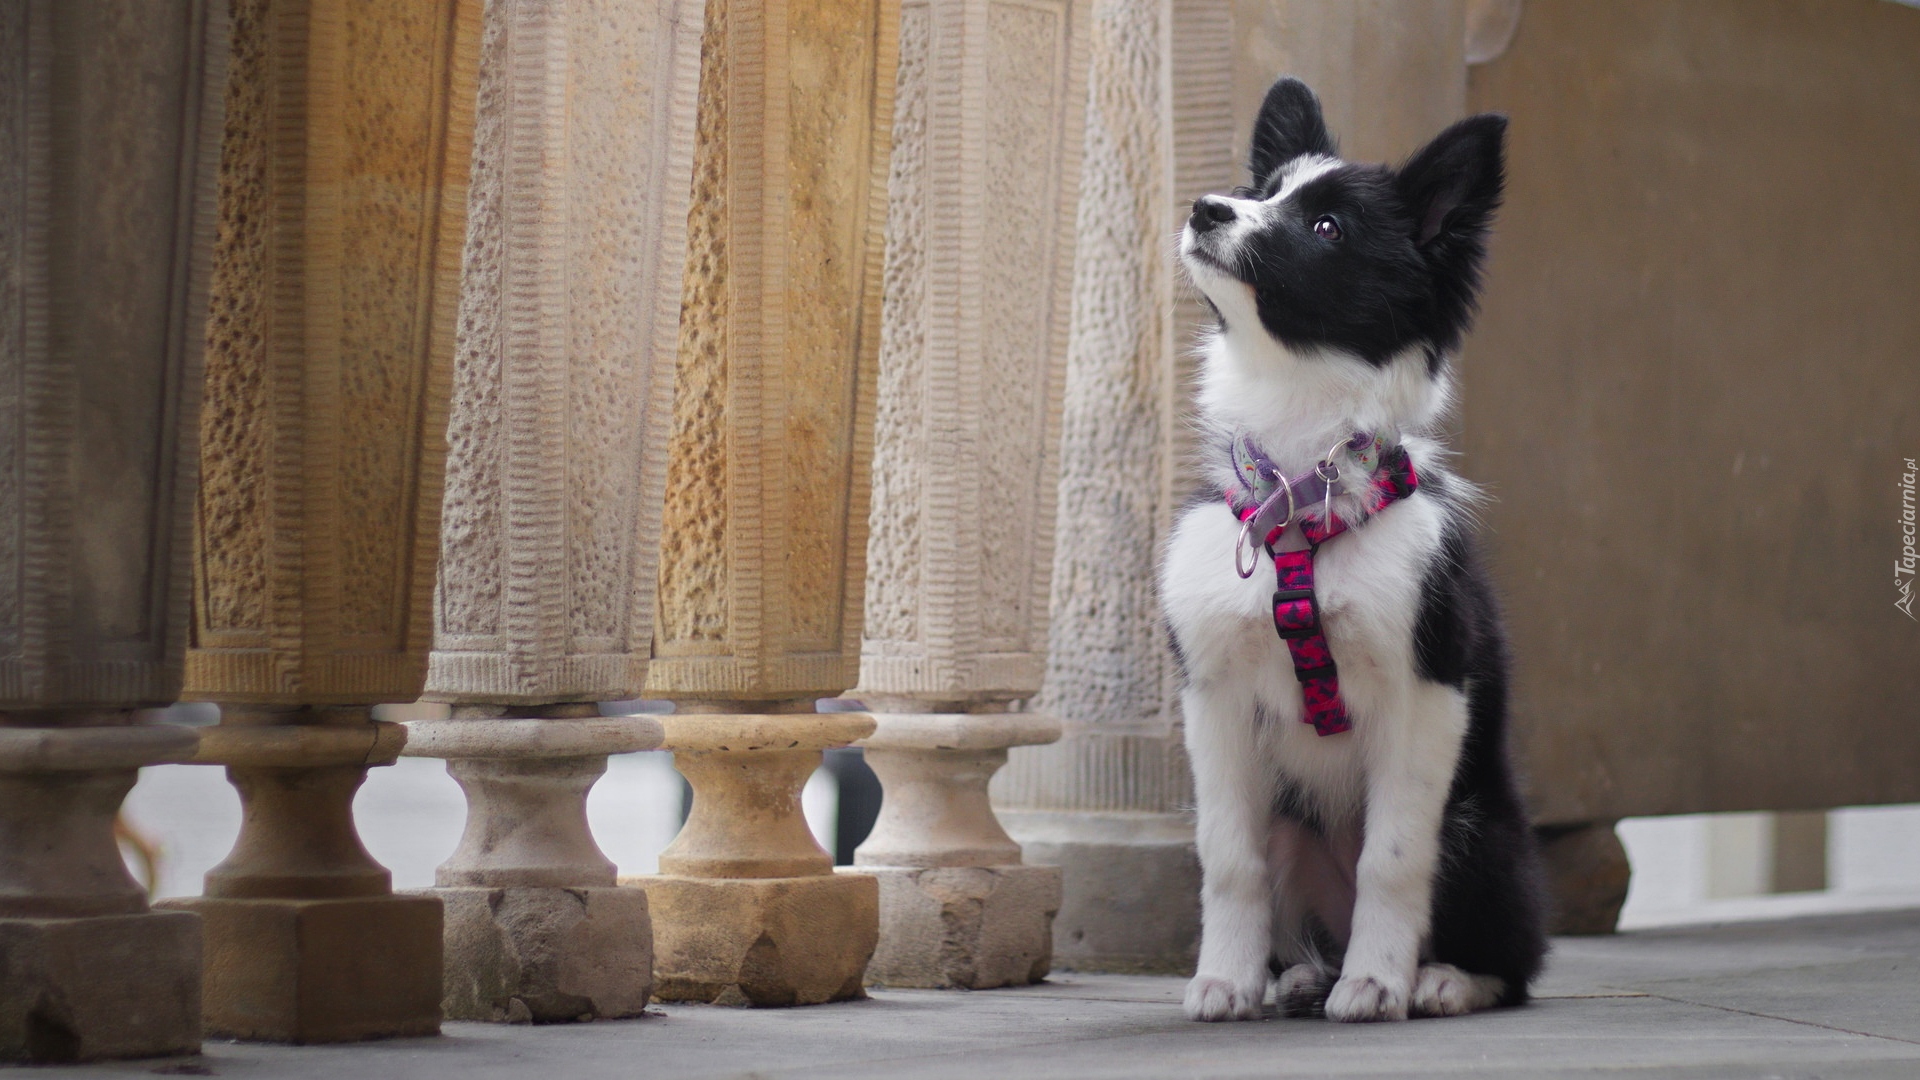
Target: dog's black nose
[[1208, 211]]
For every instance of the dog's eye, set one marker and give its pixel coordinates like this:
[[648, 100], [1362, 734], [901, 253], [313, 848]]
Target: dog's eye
[[1327, 229]]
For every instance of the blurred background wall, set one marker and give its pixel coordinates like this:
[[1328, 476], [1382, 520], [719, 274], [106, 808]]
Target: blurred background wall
[[1691, 394]]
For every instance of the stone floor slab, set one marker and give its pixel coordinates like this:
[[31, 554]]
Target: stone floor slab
[[1830, 998]]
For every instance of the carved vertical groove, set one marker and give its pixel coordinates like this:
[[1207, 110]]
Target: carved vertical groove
[[14, 117], [895, 541], [694, 567]]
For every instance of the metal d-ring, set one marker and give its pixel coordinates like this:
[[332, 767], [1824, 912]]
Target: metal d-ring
[[1245, 540], [1246, 534], [1326, 462]]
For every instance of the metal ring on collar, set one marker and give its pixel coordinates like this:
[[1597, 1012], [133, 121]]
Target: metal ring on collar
[[1240, 543], [1246, 526], [1327, 463]]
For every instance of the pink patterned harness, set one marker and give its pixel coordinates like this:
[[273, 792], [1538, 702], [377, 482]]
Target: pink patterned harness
[[1296, 615]]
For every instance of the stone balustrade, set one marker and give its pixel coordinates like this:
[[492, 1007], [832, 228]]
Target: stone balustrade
[[343, 182], [563, 384], [762, 568], [983, 186]]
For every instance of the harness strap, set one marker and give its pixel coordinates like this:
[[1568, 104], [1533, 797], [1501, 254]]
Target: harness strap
[[1296, 612]]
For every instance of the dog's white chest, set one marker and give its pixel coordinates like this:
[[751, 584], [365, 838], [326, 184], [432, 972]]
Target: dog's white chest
[[1367, 584]]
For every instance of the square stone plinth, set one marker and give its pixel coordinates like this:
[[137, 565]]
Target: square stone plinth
[[546, 955], [966, 927], [315, 971], [762, 941], [111, 986]]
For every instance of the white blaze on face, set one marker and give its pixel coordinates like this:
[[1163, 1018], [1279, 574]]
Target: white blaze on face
[[1232, 296]]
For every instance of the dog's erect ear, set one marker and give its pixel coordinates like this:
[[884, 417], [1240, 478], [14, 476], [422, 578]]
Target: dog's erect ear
[[1453, 184], [1289, 125]]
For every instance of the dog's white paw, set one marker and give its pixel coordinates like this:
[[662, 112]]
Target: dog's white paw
[[1302, 990], [1362, 998], [1445, 990], [1212, 998]]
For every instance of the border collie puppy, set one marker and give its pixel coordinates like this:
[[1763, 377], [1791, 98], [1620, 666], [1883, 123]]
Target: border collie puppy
[[1360, 830]]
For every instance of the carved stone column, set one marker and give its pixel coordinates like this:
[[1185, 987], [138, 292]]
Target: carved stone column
[[109, 141], [1106, 804], [764, 541], [563, 396], [337, 269], [988, 129]]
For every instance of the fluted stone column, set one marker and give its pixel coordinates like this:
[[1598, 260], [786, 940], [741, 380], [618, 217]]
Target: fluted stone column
[[764, 540], [988, 128], [563, 396], [1173, 91], [109, 141], [343, 196]]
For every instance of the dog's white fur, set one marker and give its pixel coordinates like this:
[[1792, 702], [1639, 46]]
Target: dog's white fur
[[1387, 780]]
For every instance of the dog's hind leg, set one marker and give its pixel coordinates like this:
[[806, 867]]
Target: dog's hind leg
[[1231, 834], [1445, 990]]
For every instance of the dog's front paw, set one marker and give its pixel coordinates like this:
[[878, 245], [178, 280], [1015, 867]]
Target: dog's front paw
[[1445, 990], [1364, 998], [1211, 998]]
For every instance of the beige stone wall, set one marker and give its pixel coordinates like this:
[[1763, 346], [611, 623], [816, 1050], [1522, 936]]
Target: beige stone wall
[[1690, 396], [1389, 73]]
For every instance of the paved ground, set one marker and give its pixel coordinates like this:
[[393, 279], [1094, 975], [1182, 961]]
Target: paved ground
[[1835, 997]]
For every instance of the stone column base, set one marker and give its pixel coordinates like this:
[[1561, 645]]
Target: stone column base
[[964, 927], [762, 941], [108, 986], [544, 955], [315, 971], [1131, 887], [1587, 877]]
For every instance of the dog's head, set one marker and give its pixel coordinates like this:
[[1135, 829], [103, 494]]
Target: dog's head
[[1337, 259]]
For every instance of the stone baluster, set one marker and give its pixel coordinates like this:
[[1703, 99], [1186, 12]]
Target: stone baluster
[[1106, 803], [764, 539], [109, 143], [563, 384], [330, 347], [985, 178], [1173, 91]]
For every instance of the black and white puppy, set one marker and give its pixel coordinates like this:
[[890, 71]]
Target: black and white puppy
[[1388, 870]]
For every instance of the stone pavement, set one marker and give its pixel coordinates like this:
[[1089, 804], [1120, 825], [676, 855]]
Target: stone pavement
[[1832, 998]]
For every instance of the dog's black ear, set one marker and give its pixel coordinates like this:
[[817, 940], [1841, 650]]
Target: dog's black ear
[[1289, 125], [1453, 184]]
